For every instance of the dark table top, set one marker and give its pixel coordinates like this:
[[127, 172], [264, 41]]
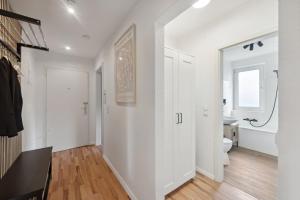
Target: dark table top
[[27, 175]]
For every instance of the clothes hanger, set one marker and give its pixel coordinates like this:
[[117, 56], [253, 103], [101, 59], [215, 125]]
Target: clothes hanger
[[18, 69]]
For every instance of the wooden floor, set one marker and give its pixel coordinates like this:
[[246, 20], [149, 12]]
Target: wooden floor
[[253, 172], [250, 176], [82, 174]]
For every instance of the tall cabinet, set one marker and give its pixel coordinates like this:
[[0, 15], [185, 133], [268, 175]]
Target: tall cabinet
[[179, 135]]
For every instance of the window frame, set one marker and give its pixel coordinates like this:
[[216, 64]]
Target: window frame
[[252, 67]]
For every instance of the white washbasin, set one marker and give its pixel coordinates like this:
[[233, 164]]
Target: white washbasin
[[229, 120]]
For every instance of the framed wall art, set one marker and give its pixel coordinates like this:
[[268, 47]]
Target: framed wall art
[[125, 67]]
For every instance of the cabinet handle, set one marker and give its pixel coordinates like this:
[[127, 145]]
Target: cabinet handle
[[177, 114], [181, 118]]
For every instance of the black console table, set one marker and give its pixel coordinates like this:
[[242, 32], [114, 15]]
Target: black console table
[[28, 177]]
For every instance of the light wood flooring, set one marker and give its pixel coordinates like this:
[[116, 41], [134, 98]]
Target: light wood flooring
[[82, 174], [250, 176], [253, 172]]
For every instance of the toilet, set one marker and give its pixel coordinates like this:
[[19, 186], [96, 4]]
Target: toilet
[[227, 144]]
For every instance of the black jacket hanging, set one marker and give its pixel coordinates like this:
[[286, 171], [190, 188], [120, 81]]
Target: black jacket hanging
[[16, 97], [10, 100]]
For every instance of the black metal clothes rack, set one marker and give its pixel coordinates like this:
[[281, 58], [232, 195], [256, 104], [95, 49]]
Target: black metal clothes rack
[[11, 50], [30, 21]]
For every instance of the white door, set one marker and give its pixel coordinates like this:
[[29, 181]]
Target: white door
[[171, 63], [67, 109], [185, 151]]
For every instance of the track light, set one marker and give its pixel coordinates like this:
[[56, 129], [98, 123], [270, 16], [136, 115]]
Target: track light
[[252, 47], [246, 46], [260, 44]]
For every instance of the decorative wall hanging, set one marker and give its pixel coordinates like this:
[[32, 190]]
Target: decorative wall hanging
[[125, 67]]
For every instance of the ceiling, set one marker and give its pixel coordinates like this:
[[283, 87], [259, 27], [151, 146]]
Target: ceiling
[[97, 19], [193, 19]]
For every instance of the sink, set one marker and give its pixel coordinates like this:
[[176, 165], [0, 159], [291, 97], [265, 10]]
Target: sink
[[229, 120]]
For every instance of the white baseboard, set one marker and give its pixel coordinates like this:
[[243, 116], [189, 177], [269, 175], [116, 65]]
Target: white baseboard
[[205, 173], [120, 179]]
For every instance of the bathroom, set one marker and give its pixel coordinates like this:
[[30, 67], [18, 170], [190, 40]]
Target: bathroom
[[250, 110], [254, 95]]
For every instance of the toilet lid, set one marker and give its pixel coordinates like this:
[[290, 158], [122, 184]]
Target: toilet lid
[[227, 141]]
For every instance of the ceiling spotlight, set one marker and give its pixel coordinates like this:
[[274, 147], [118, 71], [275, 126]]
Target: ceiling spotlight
[[201, 3], [70, 10], [68, 48], [86, 36], [251, 46], [246, 46], [260, 44]]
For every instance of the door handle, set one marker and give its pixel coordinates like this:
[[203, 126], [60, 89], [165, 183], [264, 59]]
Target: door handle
[[85, 107], [178, 118]]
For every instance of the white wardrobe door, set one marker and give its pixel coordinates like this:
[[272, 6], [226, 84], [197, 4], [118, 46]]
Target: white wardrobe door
[[186, 135], [171, 63]]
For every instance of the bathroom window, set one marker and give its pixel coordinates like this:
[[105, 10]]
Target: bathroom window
[[248, 88]]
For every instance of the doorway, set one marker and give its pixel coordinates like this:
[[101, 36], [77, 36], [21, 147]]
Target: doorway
[[67, 109], [250, 115], [99, 108]]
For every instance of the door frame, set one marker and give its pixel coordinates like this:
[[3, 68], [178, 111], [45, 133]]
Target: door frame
[[220, 169], [100, 69], [100, 106], [46, 98]]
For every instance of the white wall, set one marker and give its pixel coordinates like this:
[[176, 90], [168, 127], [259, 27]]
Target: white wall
[[29, 138], [129, 135], [289, 98], [227, 87], [251, 20], [34, 67]]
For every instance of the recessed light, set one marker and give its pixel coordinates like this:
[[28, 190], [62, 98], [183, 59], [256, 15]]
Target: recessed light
[[70, 10], [68, 48], [201, 3], [86, 36]]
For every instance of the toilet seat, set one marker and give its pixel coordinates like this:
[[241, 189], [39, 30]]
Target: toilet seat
[[227, 141]]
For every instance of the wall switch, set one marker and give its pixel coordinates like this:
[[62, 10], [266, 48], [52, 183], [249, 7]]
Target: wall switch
[[205, 111], [107, 109]]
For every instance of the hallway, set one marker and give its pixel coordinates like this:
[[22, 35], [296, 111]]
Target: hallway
[[82, 174], [143, 100]]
